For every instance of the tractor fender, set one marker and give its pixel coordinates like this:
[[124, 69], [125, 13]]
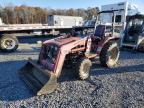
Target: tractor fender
[[104, 42]]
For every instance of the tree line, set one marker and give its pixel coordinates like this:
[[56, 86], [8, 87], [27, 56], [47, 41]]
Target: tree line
[[28, 15]]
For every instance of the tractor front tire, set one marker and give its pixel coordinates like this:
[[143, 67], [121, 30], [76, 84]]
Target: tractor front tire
[[109, 54], [83, 68], [8, 43]]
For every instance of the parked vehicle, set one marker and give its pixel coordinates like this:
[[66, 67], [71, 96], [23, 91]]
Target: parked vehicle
[[133, 36]]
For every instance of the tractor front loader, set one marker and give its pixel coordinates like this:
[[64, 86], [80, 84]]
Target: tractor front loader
[[42, 76]]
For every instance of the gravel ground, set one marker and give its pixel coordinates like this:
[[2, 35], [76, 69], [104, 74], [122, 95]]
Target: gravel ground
[[119, 87]]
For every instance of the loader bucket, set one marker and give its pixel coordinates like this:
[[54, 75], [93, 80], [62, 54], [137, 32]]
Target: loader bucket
[[39, 80]]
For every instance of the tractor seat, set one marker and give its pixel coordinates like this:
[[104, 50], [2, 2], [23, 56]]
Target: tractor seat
[[99, 32]]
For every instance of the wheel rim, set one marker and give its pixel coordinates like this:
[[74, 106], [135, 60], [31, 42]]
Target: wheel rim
[[8, 43]]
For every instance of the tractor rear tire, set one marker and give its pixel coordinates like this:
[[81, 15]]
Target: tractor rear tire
[[109, 54], [8, 43], [83, 68]]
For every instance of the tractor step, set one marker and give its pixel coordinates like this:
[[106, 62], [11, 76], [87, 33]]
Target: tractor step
[[91, 55]]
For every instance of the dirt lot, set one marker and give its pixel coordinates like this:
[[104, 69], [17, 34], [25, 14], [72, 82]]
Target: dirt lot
[[121, 86]]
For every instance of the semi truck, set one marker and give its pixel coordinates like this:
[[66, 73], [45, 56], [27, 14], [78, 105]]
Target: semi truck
[[57, 24]]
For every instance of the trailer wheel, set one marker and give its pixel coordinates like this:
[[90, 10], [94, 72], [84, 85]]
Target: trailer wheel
[[109, 54], [141, 46], [83, 68], [8, 43]]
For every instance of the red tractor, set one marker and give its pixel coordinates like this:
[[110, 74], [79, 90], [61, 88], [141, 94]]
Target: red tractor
[[70, 50]]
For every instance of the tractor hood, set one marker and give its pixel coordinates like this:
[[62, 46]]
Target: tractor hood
[[62, 40]]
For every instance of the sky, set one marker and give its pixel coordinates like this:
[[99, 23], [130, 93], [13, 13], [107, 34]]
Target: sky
[[65, 4]]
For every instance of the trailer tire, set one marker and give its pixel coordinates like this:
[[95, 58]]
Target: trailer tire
[[109, 54], [83, 68], [8, 43]]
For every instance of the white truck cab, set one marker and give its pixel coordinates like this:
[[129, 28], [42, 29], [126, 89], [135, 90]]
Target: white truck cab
[[122, 11]]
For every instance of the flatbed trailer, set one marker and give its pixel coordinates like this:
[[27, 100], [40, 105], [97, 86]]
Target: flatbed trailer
[[57, 24], [29, 28], [8, 33]]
